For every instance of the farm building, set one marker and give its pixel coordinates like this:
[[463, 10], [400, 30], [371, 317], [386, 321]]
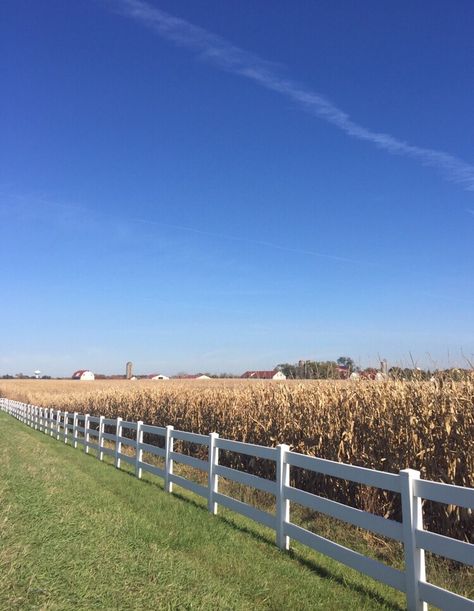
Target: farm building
[[83, 375], [196, 376], [264, 375], [343, 372], [158, 376]]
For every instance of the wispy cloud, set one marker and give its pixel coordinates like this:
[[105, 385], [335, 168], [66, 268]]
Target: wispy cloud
[[231, 58]]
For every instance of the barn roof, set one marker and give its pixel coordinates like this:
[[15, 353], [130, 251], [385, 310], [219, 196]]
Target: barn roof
[[79, 372], [261, 375]]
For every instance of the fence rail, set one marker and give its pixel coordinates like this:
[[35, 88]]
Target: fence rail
[[78, 429]]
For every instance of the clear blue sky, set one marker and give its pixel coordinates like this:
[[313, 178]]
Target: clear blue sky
[[225, 186]]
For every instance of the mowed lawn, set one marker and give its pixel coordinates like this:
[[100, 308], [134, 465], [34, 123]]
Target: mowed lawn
[[79, 534]]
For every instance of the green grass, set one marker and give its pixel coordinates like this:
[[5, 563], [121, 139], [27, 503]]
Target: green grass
[[79, 534]]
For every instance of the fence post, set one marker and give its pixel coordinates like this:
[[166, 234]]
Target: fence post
[[51, 422], [118, 444], [58, 423], [213, 480], [168, 460], [66, 424], [138, 449], [86, 433], [100, 453], [282, 504], [74, 429], [412, 515]]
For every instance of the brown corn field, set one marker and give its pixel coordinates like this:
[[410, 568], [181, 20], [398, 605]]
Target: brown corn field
[[388, 426]]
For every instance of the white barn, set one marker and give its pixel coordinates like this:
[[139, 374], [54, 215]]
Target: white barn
[[83, 375]]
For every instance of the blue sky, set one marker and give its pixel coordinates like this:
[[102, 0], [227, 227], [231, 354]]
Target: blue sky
[[225, 186]]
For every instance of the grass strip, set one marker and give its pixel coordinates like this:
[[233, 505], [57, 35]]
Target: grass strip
[[75, 533]]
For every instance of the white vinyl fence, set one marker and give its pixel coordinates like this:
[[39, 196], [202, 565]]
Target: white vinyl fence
[[89, 432]]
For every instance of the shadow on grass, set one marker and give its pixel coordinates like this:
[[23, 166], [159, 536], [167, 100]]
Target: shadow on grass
[[310, 564]]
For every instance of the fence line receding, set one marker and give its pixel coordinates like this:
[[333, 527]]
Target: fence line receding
[[91, 432]]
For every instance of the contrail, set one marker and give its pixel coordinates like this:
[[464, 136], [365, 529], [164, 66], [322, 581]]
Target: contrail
[[226, 56], [89, 213], [235, 238]]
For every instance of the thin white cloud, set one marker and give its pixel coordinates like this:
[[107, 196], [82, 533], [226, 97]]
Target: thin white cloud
[[226, 56]]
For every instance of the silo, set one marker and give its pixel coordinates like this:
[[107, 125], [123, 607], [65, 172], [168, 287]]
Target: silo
[[128, 370]]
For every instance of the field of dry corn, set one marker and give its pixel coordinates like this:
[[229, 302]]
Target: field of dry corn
[[387, 426]]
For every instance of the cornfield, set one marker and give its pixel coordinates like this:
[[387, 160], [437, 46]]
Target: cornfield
[[387, 426]]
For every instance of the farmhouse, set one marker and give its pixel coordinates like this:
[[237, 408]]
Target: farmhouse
[[83, 375], [158, 376], [264, 375]]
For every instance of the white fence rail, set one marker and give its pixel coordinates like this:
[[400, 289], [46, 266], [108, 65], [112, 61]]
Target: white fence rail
[[89, 432]]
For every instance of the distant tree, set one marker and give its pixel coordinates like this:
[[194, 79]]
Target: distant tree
[[323, 370], [346, 361], [396, 373], [289, 370], [454, 374], [311, 370]]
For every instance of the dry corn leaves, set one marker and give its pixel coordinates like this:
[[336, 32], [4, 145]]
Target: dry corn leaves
[[387, 426]]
